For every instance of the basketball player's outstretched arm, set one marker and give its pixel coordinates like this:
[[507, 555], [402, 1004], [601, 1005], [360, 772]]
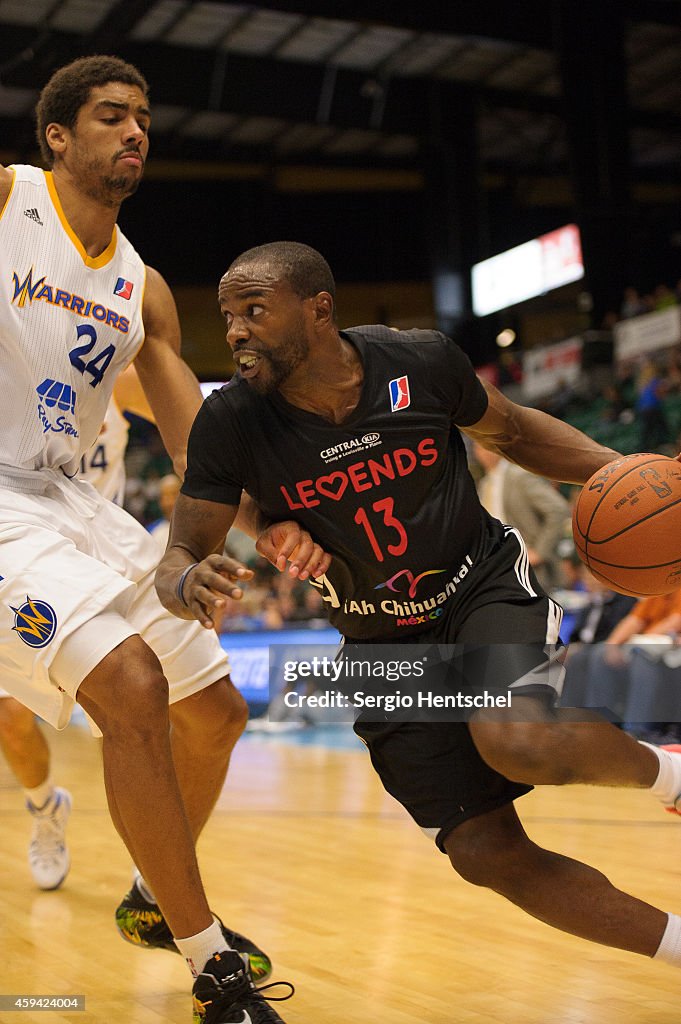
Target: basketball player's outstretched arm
[[537, 441], [170, 386], [129, 395], [194, 577]]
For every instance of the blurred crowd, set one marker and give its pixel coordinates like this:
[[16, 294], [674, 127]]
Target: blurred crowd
[[635, 304], [638, 406]]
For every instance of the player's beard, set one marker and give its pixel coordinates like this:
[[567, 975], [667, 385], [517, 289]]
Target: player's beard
[[107, 188], [280, 363], [120, 188]]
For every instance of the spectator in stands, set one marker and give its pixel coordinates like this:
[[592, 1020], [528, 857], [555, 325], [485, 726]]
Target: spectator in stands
[[286, 606], [270, 616], [311, 610], [632, 304], [510, 368], [664, 297], [529, 503], [653, 427], [135, 497], [571, 566], [598, 675], [653, 708], [604, 610], [168, 490], [610, 318], [616, 408], [564, 397]]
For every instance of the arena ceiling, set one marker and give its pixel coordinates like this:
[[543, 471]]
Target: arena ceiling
[[330, 83]]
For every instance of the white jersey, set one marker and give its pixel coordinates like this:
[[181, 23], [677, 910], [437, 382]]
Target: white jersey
[[103, 465], [68, 325]]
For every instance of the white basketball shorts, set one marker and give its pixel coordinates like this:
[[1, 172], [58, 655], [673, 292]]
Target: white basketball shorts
[[76, 580]]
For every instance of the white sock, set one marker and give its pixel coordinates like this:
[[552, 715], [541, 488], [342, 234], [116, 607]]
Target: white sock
[[143, 887], [198, 949], [667, 785], [40, 795], [669, 950]]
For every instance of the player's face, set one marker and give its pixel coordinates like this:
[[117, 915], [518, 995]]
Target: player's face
[[267, 327], [108, 146]]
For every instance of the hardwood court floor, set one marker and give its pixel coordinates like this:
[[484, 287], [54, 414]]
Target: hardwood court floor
[[308, 855]]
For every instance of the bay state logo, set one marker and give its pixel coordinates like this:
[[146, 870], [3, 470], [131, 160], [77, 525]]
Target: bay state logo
[[56, 395], [35, 622]]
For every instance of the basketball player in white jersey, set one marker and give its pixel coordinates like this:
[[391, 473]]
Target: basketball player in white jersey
[[79, 619], [21, 740]]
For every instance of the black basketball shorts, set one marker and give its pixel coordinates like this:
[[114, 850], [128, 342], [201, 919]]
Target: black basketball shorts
[[433, 767]]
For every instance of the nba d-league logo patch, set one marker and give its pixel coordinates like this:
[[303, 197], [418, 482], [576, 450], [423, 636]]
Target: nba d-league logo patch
[[35, 622], [123, 288], [399, 393]]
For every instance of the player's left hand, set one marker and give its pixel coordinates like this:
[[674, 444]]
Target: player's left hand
[[289, 542], [209, 583]]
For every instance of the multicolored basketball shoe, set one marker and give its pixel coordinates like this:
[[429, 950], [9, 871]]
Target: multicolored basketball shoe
[[225, 994], [142, 923]]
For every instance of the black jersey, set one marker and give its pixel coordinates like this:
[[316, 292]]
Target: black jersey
[[387, 493]]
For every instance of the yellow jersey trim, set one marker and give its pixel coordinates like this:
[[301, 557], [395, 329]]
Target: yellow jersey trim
[[11, 189], [96, 262]]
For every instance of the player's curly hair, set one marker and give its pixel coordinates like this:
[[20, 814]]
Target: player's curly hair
[[300, 265], [69, 89]]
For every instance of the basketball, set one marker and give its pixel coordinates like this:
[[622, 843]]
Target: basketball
[[626, 524]]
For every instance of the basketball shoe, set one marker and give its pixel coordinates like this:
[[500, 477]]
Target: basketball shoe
[[675, 808], [48, 855], [142, 923], [224, 993]]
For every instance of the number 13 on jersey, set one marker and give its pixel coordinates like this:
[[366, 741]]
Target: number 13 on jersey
[[386, 506]]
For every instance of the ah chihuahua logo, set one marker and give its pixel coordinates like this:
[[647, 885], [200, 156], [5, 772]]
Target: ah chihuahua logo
[[412, 580]]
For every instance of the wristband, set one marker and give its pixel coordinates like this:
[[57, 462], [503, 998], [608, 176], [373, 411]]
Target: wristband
[[179, 590]]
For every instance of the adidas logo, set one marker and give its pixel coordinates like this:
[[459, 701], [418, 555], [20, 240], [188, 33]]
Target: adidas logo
[[34, 215]]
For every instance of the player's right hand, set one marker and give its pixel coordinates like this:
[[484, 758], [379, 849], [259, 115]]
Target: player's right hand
[[208, 585], [289, 542]]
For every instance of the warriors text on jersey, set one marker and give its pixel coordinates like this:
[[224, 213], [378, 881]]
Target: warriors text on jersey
[[68, 324], [387, 492]]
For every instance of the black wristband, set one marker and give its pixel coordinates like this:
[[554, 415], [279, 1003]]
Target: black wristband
[[179, 590]]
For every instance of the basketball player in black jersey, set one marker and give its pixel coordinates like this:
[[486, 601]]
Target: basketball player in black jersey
[[355, 436]]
